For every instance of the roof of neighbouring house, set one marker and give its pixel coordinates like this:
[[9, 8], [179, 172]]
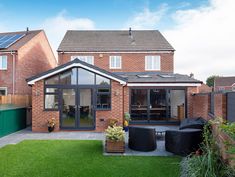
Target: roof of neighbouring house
[[26, 36], [118, 40], [157, 77], [224, 81]]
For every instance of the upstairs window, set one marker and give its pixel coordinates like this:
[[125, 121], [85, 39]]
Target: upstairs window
[[87, 59], [152, 63], [3, 62], [115, 62]]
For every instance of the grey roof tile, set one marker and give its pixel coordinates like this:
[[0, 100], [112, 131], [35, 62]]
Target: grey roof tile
[[119, 40], [157, 77]]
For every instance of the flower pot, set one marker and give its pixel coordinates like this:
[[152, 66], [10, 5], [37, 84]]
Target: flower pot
[[114, 146], [50, 129]]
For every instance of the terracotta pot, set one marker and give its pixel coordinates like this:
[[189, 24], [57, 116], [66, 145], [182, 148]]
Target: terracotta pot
[[114, 146]]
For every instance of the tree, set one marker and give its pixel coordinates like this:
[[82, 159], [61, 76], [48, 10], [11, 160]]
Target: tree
[[210, 80]]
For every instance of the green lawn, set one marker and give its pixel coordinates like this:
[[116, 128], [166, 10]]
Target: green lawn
[[68, 158]]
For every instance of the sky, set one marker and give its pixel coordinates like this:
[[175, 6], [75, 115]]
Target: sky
[[201, 31]]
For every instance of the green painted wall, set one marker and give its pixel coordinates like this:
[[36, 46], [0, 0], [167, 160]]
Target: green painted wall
[[12, 120]]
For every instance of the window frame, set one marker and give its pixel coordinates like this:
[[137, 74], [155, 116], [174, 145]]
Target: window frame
[[1, 61], [105, 93], [51, 93], [83, 56], [4, 88], [152, 62], [115, 57], [94, 86]]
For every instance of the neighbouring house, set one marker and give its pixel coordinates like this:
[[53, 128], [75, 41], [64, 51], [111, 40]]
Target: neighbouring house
[[224, 84], [22, 55], [204, 88], [104, 74]]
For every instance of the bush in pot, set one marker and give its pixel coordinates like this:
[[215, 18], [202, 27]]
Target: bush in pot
[[115, 139], [51, 124]]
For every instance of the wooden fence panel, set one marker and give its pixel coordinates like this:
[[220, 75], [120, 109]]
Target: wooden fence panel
[[20, 100]]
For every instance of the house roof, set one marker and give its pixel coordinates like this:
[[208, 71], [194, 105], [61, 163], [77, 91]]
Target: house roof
[[224, 81], [76, 63], [118, 40], [157, 77], [22, 41]]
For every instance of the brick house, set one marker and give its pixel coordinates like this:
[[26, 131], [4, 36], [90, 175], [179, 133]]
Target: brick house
[[104, 74], [224, 84], [22, 55]]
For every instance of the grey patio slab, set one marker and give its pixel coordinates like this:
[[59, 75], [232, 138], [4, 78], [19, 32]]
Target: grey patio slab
[[27, 134]]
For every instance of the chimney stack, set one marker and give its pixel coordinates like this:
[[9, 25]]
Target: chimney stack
[[27, 30], [191, 75], [130, 31]]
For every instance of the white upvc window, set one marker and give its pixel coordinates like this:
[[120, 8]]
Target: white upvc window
[[3, 91], [115, 62], [3, 62], [153, 62], [87, 59]]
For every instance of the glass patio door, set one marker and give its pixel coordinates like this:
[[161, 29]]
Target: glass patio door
[[77, 108], [148, 105]]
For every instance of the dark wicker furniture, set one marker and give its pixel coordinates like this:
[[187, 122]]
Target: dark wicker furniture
[[183, 142], [142, 139]]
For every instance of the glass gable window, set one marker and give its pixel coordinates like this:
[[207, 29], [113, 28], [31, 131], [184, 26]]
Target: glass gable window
[[69, 77], [52, 80], [102, 80], [3, 62], [85, 77], [77, 77]]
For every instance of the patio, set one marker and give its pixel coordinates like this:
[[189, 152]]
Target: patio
[[27, 134]]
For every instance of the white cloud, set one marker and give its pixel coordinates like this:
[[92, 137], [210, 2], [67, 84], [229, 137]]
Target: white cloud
[[56, 27], [204, 39], [146, 19]]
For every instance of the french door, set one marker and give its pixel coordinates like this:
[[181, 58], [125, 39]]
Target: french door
[[77, 108]]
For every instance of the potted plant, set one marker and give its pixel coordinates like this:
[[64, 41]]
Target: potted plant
[[115, 139], [51, 124], [126, 121]]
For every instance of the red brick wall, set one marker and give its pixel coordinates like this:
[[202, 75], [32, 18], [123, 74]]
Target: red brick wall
[[39, 116], [33, 58], [220, 105], [131, 62], [116, 111], [190, 92], [201, 105], [6, 75]]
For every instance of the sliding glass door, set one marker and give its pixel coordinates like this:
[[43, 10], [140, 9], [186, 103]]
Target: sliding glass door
[[151, 105]]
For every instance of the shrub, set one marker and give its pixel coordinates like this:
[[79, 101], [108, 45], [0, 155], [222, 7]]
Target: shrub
[[115, 133]]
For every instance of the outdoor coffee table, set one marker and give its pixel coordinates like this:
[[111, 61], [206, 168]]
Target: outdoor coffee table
[[160, 133]]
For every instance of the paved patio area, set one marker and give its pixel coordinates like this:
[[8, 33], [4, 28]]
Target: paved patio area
[[27, 134]]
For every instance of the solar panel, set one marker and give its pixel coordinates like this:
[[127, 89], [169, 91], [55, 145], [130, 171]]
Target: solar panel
[[7, 40]]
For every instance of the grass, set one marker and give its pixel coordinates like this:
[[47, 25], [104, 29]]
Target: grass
[[68, 158]]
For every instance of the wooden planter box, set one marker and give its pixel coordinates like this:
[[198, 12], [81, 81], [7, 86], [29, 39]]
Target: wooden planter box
[[114, 146]]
